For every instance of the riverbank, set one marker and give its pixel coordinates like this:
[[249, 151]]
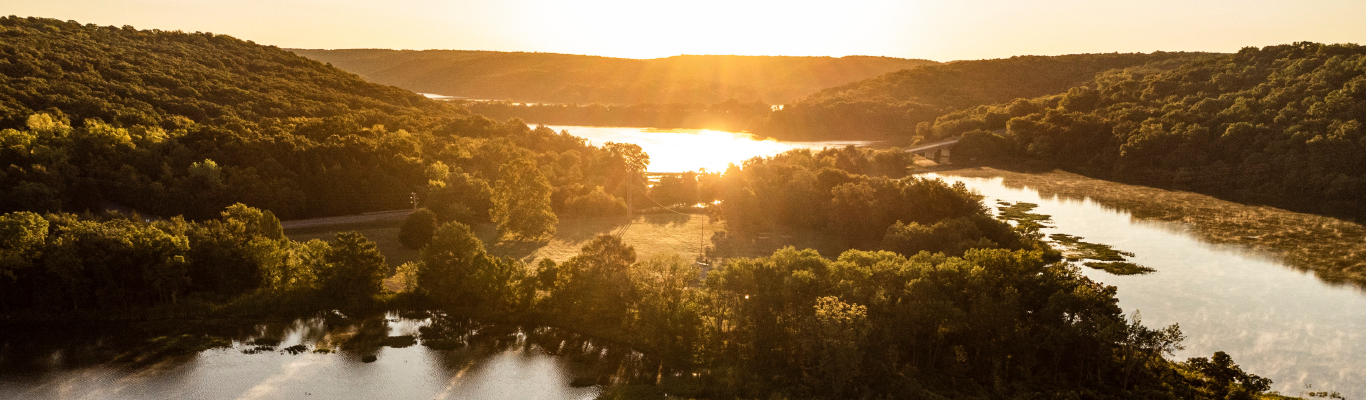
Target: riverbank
[[1333, 249]]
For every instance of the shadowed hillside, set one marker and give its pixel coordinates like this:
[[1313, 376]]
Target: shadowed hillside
[[565, 78]]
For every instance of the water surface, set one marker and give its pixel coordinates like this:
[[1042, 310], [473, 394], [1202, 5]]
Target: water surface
[[681, 150], [1274, 320], [503, 365]]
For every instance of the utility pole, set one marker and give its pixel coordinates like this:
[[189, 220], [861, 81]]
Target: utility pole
[[413, 196]]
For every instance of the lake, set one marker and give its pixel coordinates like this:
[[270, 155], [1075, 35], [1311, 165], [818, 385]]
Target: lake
[[682, 150]]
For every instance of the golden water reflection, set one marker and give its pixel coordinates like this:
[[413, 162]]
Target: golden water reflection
[[681, 150]]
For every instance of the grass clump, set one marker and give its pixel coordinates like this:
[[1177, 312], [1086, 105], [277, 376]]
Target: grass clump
[[1120, 267], [295, 349], [1019, 212], [1081, 250]]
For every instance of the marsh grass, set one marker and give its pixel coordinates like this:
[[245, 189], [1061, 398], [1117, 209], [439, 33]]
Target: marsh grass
[[1075, 249], [1120, 267], [1334, 249], [1020, 213]]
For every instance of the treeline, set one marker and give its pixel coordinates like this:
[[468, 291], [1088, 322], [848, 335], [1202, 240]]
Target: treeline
[[1279, 125], [730, 115], [126, 264], [892, 105], [173, 123], [567, 78]]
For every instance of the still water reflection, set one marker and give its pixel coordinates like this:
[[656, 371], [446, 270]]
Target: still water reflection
[[1274, 320], [681, 150], [475, 362]]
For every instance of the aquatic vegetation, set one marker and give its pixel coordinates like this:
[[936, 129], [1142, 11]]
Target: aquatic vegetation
[[369, 359], [1081, 250], [295, 349], [1120, 267], [1105, 258], [1333, 248], [1019, 212], [258, 350]]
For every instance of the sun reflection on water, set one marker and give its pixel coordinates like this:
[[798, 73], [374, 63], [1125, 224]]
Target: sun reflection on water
[[681, 150]]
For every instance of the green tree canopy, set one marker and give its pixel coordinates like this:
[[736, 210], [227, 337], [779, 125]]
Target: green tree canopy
[[521, 202]]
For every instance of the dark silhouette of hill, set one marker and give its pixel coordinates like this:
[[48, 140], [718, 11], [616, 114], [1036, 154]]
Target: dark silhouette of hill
[[566, 78]]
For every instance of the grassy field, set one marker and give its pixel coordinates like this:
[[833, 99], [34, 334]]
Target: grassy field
[[1334, 249]]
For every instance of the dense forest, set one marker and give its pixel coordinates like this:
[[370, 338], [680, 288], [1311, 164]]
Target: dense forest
[[174, 123], [892, 105], [1279, 125], [567, 78]]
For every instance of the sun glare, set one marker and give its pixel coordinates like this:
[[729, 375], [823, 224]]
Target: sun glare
[[682, 150]]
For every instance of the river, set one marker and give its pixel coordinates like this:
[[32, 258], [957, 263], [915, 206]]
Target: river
[[1276, 321]]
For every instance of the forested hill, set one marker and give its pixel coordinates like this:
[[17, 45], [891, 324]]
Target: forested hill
[[891, 105], [1279, 125], [150, 77], [171, 123], [565, 78]]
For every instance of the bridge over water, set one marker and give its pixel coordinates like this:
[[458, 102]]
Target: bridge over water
[[937, 151]]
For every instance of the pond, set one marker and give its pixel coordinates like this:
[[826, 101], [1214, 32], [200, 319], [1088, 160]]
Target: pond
[[1276, 321], [284, 360]]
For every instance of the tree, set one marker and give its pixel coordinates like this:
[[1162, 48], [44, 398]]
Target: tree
[[22, 234], [355, 268], [417, 229], [447, 261], [1226, 380], [594, 287], [456, 270], [521, 202], [838, 330]]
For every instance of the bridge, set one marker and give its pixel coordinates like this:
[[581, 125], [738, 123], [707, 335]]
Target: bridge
[[937, 151]]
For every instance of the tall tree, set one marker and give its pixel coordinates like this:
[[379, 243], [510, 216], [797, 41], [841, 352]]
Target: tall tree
[[355, 268], [521, 202], [417, 229]]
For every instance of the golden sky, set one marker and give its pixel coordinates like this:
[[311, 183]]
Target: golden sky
[[940, 30]]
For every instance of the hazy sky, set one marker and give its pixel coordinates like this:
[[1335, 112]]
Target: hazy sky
[[939, 30]]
